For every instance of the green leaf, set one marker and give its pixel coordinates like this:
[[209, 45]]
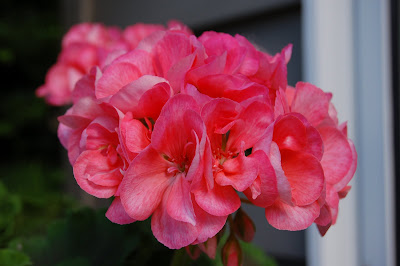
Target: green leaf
[[78, 261], [253, 255], [180, 258], [9, 257]]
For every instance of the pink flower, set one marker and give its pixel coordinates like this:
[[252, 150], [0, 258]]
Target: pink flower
[[88, 131], [135, 33], [339, 160], [227, 167], [84, 46], [178, 125], [232, 252], [167, 170], [294, 149]]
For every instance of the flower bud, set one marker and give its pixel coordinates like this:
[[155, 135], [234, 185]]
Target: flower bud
[[210, 247], [243, 226], [193, 251], [231, 252]]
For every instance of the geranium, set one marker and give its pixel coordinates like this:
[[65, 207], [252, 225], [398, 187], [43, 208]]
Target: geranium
[[174, 127]]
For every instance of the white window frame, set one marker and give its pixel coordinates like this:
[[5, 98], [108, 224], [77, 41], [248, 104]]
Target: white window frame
[[347, 51]]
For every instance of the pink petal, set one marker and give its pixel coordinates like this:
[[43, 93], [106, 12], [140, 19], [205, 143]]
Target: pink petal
[[143, 97], [209, 247], [208, 225], [74, 121], [219, 201], [147, 175], [169, 50], [290, 133], [305, 176], [338, 156], [239, 172], [200, 98], [177, 73], [179, 204], [250, 126], [172, 233], [343, 193], [311, 102], [171, 126], [323, 229], [232, 252], [219, 116], [95, 175], [283, 184], [324, 217], [85, 86], [292, 218], [214, 66], [115, 77], [268, 190], [117, 214], [350, 173], [134, 134], [101, 132]]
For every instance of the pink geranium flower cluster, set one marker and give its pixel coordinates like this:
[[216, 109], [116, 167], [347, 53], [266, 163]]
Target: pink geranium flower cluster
[[87, 45], [175, 127]]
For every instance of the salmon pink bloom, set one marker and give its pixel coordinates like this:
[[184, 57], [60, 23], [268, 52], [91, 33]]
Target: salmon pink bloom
[[159, 180], [339, 160], [232, 129], [84, 46], [294, 149], [175, 127]]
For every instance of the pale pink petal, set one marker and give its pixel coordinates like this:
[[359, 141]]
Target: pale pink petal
[[284, 187], [177, 72], [172, 48], [135, 33], [144, 184], [85, 86], [143, 97], [117, 214], [208, 225], [179, 203], [95, 175], [200, 98], [338, 155], [115, 77], [215, 65], [219, 201], [350, 173], [311, 102], [292, 218], [172, 233]]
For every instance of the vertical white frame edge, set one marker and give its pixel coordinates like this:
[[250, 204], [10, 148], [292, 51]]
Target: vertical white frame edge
[[338, 37]]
